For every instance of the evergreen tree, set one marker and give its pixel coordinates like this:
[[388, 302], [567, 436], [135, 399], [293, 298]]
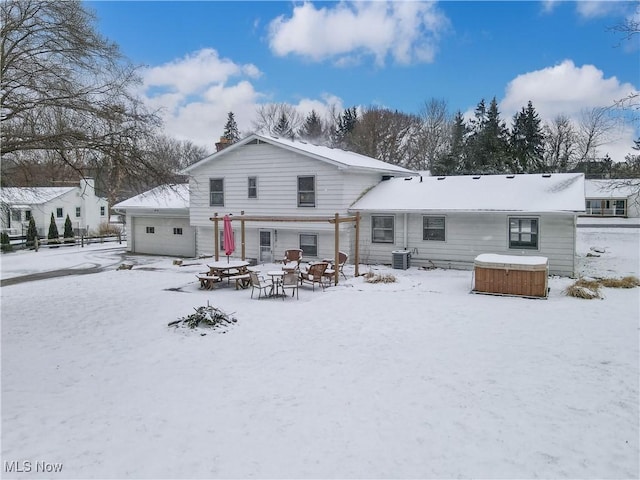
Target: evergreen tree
[[527, 142], [231, 129], [312, 129], [488, 151], [68, 229], [32, 233], [346, 124], [5, 242], [453, 162], [53, 230], [283, 128]]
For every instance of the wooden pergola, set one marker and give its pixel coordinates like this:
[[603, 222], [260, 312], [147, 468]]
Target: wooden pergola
[[336, 220]]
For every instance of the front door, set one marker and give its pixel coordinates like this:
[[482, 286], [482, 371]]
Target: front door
[[266, 246]]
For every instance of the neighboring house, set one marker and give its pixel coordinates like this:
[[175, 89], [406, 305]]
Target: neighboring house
[[276, 177], [448, 221], [612, 198], [157, 222], [19, 204]]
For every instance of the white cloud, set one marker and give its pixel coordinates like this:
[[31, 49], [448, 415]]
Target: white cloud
[[196, 71], [569, 90], [406, 31]]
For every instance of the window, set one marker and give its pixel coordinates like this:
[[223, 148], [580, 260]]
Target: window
[[59, 212], [433, 228], [309, 244], [221, 240], [151, 230], [523, 233], [252, 187], [16, 215], [27, 215], [382, 229], [102, 211], [216, 192], [177, 231], [78, 211], [307, 191]]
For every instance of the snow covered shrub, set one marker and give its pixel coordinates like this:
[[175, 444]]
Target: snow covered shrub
[[371, 277], [579, 291], [68, 231], [54, 236]]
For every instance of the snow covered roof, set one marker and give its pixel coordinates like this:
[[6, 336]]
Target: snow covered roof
[[520, 193], [164, 196], [335, 156], [610, 188], [26, 196]]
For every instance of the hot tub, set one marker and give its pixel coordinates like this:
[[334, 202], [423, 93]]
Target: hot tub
[[511, 275]]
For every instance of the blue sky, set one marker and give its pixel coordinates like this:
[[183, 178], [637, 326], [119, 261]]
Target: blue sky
[[204, 59]]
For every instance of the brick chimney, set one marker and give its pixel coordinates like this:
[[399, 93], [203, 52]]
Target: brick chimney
[[223, 143]]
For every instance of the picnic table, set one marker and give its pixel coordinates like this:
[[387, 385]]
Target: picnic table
[[236, 270]]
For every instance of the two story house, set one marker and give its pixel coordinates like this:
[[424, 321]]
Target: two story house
[[86, 210], [277, 177]]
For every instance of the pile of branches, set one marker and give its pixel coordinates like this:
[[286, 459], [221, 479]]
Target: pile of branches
[[208, 316]]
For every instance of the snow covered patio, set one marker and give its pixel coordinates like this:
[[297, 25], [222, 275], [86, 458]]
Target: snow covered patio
[[412, 379]]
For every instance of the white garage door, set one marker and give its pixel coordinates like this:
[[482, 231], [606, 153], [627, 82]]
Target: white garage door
[[164, 236]]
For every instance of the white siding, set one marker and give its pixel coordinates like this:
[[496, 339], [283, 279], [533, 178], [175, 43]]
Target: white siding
[[469, 235], [277, 171]]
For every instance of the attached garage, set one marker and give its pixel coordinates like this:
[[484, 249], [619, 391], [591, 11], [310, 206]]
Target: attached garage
[[157, 222], [163, 236]]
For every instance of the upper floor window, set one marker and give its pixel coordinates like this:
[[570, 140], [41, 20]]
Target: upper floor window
[[78, 211], [523, 233], [307, 191], [150, 229], [382, 229], [433, 228], [103, 210], [252, 187], [59, 212], [177, 231], [216, 192], [16, 215]]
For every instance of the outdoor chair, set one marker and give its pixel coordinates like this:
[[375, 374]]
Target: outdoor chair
[[291, 281], [292, 256], [342, 260], [260, 283], [314, 274]]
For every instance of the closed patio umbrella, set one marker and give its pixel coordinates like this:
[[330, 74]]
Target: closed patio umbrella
[[229, 241]]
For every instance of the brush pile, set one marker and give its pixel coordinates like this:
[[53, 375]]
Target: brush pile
[[208, 316]]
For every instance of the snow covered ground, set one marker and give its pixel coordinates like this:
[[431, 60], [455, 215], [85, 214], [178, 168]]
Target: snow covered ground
[[412, 379]]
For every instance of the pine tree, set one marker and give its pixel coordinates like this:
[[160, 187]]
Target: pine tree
[[454, 161], [68, 230], [527, 142], [231, 129], [54, 236], [312, 129], [489, 142], [346, 124], [282, 128], [32, 233]]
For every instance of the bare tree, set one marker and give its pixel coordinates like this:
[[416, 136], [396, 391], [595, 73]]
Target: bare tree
[[65, 94], [595, 128], [386, 135], [269, 118], [433, 139], [560, 145]]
